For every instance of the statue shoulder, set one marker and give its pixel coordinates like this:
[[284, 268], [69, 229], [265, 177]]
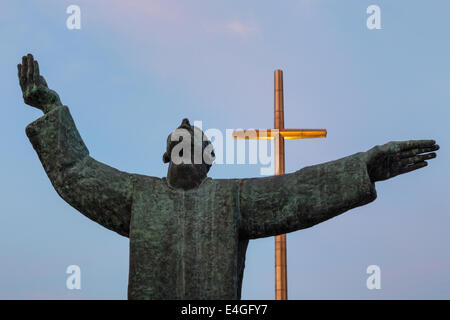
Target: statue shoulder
[[140, 180]]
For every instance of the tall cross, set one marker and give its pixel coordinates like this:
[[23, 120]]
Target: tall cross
[[279, 134]]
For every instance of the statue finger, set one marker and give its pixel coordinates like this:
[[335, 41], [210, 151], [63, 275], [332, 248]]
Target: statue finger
[[24, 69], [414, 152], [42, 81], [19, 74], [415, 144], [22, 76], [413, 167], [30, 68], [36, 72], [417, 159]]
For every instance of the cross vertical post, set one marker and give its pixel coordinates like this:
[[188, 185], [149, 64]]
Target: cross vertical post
[[280, 240], [279, 134]]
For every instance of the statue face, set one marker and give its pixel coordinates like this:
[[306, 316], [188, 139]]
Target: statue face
[[189, 154]]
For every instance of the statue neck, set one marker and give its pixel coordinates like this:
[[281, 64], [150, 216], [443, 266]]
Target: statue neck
[[185, 178]]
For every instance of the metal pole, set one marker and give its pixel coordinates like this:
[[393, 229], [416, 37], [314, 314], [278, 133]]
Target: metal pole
[[280, 240]]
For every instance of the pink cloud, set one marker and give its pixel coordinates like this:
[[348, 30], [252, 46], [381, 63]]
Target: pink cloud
[[182, 41], [242, 29]]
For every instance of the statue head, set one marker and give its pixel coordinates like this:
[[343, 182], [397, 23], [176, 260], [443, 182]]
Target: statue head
[[190, 155]]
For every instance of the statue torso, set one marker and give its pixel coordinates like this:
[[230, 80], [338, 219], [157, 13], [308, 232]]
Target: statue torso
[[185, 244]]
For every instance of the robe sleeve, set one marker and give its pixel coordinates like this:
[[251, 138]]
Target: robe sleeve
[[101, 193], [285, 203]]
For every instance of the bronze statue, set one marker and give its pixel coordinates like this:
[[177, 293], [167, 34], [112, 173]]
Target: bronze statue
[[189, 233]]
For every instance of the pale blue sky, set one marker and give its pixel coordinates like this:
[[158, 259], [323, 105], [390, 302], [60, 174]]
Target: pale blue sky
[[136, 68]]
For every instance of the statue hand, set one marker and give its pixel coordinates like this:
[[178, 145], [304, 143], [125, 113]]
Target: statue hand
[[394, 158], [34, 87]]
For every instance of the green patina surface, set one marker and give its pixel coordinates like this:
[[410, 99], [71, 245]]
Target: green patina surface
[[192, 244]]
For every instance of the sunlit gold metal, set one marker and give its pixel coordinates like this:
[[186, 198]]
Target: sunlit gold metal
[[271, 134], [279, 134], [280, 240]]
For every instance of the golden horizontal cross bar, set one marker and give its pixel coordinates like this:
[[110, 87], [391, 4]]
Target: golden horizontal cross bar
[[270, 134]]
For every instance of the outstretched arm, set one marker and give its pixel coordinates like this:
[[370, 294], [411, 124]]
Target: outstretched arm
[[285, 203], [100, 192]]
